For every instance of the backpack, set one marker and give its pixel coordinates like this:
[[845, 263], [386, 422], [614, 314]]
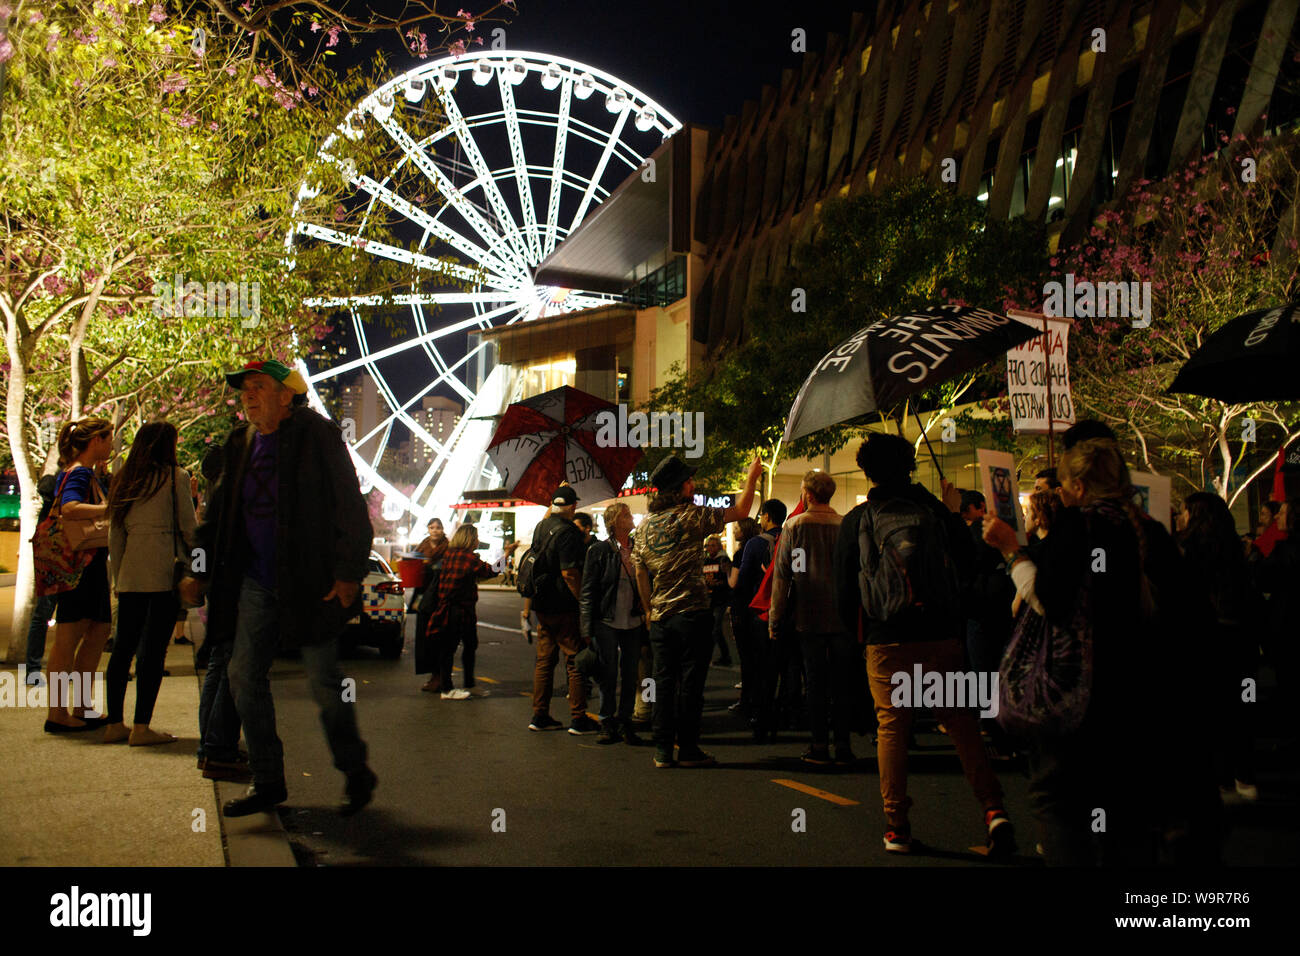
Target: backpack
[[904, 561], [534, 576], [428, 600]]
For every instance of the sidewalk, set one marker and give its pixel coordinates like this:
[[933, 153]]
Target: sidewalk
[[71, 800]]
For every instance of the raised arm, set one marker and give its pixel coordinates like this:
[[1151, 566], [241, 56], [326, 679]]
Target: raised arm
[[741, 508]]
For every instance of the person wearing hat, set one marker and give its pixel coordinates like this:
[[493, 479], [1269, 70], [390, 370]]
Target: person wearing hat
[[284, 546], [670, 546], [557, 570]]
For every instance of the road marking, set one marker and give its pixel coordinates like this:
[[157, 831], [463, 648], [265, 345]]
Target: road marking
[[813, 791], [487, 680], [499, 627]]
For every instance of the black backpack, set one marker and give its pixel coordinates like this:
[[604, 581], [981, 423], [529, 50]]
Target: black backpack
[[904, 561], [428, 601], [534, 575]]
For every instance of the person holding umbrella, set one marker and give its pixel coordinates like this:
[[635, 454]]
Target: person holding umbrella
[[670, 546]]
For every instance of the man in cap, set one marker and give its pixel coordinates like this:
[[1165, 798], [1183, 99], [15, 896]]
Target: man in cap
[[285, 544], [669, 545], [557, 573]]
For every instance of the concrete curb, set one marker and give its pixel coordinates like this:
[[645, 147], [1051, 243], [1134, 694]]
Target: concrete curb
[[256, 840]]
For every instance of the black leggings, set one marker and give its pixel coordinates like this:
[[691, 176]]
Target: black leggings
[[144, 619], [461, 629]]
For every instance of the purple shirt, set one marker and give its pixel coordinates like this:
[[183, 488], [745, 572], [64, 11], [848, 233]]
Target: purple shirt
[[261, 495]]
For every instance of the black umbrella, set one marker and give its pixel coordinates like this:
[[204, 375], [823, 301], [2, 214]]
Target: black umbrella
[[1253, 358], [889, 360]]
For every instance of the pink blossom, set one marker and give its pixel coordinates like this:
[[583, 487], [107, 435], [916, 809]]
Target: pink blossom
[[156, 14], [6, 49], [109, 62], [187, 120], [1230, 110], [334, 35], [54, 285], [457, 48], [339, 212], [231, 69], [469, 25], [315, 26], [6, 11], [35, 16], [261, 81], [214, 126], [174, 83]]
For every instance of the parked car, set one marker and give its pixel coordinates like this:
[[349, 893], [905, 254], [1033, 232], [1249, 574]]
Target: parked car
[[382, 624]]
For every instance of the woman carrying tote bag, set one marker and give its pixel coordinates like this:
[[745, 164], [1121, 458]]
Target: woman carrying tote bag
[[83, 615], [151, 518]]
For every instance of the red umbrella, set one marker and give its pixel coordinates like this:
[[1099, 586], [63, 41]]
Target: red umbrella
[[551, 438]]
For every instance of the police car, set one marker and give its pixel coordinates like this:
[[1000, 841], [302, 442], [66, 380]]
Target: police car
[[382, 624]]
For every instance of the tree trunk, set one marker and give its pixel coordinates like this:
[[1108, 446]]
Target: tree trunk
[[25, 583]]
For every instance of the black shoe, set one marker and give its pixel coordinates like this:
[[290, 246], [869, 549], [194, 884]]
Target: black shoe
[[53, 727], [256, 801], [183, 640], [545, 722], [584, 725], [360, 788], [844, 757], [816, 757], [630, 737], [695, 757], [736, 706], [609, 733]]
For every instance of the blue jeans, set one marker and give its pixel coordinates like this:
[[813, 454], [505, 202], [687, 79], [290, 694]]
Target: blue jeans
[[620, 652], [682, 646], [257, 631], [218, 719], [42, 612]]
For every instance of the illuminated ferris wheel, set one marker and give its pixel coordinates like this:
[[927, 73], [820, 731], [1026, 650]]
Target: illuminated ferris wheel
[[526, 145]]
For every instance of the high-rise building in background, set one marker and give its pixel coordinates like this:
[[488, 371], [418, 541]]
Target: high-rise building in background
[[359, 403], [438, 416]]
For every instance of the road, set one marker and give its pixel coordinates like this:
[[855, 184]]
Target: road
[[466, 783]]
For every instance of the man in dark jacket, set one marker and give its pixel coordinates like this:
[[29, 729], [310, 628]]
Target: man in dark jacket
[[922, 636], [285, 544]]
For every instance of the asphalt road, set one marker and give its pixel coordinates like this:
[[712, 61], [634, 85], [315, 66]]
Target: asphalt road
[[466, 783]]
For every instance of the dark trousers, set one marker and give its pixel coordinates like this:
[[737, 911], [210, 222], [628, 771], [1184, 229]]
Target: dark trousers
[[780, 676], [720, 634], [462, 631], [144, 620], [742, 632], [832, 665], [42, 612], [682, 646], [218, 720], [620, 652]]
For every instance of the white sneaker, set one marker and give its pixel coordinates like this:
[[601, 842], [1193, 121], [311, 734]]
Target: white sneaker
[[738, 685], [456, 694], [479, 692], [1248, 791]]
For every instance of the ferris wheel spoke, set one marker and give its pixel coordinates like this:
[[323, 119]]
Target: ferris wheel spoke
[[414, 299], [449, 192], [421, 218], [375, 247], [557, 165], [411, 343], [522, 181], [475, 157], [610, 146]]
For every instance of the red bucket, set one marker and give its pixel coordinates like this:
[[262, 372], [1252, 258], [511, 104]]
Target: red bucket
[[410, 567]]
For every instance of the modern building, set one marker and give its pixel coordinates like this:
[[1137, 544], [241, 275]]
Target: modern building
[[1046, 109], [438, 415]]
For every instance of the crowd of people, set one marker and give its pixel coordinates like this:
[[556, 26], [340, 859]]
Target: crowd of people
[[825, 612]]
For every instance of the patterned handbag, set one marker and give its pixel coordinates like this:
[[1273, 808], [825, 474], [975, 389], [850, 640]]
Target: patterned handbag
[[1046, 674], [58, 562]]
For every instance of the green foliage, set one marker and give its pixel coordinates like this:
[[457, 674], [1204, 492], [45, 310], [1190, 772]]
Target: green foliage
[[872, 257]]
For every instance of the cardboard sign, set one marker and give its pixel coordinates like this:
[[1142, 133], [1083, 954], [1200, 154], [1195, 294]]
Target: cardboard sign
[[1153, 494], [1001, 490], [1028, 369]]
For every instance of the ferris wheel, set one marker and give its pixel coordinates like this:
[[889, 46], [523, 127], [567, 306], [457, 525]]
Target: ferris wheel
[[525, 146]]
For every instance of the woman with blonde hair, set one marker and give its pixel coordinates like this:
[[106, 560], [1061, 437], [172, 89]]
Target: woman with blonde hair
[[454, 620], [83, 616]]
